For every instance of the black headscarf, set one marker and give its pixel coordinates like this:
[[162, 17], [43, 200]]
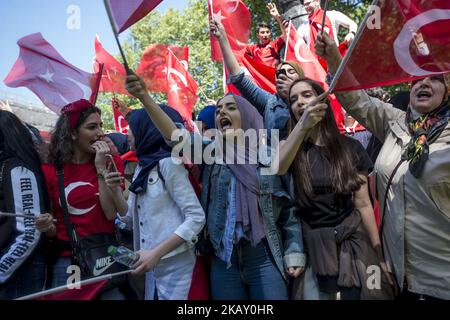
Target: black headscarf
[[150, 144]]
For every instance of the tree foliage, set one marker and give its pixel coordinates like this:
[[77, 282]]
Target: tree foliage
[[190, 27]]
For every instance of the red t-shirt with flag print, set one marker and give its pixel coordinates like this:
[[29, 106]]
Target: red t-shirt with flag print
[[83, 201]]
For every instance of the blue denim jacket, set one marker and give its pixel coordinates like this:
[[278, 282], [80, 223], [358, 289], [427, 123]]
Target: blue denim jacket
[[281, 225], [273, 109]]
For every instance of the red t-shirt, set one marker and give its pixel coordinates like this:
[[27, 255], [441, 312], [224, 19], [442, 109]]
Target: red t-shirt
[[83, 201], [268, 54]]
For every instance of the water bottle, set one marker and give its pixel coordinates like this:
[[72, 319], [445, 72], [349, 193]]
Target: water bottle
[[123, 255]]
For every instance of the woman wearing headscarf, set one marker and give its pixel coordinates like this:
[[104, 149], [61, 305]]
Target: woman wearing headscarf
[[273, 107], [413, 179], [257, 243], [166, 213], [22, 192]]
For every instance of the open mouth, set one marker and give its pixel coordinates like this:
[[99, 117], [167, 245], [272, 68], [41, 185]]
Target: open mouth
[[225, 124], [423, 95]]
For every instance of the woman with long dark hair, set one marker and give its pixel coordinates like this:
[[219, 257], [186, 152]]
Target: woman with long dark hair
[[92, 185], [22, 192], [330, 177]]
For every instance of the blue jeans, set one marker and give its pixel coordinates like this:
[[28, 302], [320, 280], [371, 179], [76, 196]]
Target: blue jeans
[[253, 275], [60, 277], [30, 279]]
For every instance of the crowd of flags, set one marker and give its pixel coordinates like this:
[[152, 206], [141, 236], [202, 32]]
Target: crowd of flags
[[411, 42]]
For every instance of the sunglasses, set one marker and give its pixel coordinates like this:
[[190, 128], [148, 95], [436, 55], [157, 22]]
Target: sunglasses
[[280, 72]]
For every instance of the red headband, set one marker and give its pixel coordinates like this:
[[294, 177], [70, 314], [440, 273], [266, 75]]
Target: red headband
[[74, 110]]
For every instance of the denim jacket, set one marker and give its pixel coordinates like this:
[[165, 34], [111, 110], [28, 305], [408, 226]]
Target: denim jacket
[[281, 225], [273, 109]]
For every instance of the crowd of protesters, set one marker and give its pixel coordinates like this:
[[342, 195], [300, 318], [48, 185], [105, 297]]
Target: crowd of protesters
[[313, 229]]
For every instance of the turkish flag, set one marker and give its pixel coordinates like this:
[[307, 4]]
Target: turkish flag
[[113, 77], [260, 74], [45, 72], [182, 88], [119, 120], [297, 50], [236, 20], [412, 42], [126, 13], [153, 66]]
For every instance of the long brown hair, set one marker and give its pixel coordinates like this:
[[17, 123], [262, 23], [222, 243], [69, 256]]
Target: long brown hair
[[344, 174], [61, 144]]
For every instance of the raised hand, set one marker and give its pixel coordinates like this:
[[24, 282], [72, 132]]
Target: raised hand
[[273, 10], [101, 150], [326, 48], [314, 112], [217, 29], [136, 87]]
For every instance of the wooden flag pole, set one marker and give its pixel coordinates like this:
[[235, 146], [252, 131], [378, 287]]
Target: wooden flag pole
[[116, 36], [287, 40]]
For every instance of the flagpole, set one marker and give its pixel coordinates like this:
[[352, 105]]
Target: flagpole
[[116, 36], [97, 84], [287, 40], [19, 215], [76, 284], [350, 50], [203, 93], [325, 9]]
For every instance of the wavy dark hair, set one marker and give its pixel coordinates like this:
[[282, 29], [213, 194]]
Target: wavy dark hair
[[16, 141], [61, 144], [344, 174]]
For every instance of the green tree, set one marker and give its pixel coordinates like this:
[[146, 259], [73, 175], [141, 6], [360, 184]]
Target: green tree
[[190, 27]]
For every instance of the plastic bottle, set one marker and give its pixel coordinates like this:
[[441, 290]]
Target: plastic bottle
[[123, 255]]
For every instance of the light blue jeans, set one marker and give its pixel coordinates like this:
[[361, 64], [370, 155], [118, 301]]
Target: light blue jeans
[[252, 275]]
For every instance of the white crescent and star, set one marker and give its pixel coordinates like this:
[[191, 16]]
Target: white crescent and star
[[298, 55], [178, 74], [87, 91], [47, 76], [218, 16], [119, 121], [68, 190], [174, 88], [404, 38]]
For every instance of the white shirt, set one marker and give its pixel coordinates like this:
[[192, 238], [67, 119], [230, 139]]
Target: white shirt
[[166, 208], [337, 19]]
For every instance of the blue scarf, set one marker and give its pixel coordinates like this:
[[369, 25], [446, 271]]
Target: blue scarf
[[150, 144]]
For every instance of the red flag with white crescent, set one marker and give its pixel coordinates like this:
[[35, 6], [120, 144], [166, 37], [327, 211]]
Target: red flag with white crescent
[[236, 20], [153, 66], [182, 88], [120, 123], [113, 76], [411, 41]]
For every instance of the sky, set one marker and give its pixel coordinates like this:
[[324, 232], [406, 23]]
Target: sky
[[50, 17]]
